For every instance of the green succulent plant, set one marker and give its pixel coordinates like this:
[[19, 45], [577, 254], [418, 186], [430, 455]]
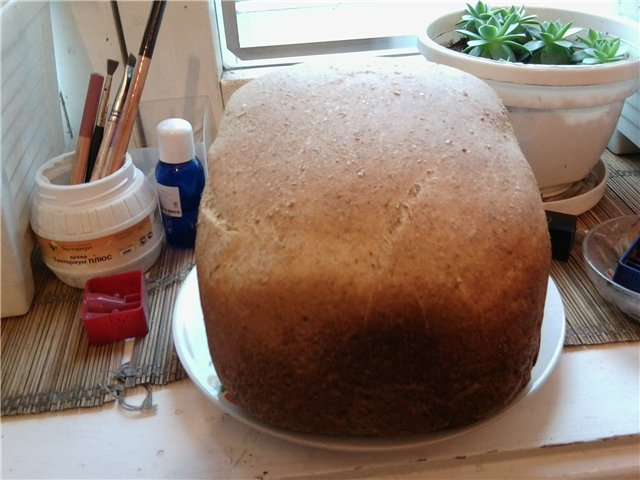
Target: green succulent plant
[[496, 39], [509, 34], [518, 17], [598, 48], [475, 17], [551, 43]]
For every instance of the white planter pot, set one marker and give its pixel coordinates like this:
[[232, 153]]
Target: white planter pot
[[563, 115]]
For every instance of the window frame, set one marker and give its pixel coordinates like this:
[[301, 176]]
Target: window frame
[[293, 50]]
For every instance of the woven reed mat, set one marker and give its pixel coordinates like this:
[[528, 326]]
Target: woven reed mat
[[590, 319], [47, 363]]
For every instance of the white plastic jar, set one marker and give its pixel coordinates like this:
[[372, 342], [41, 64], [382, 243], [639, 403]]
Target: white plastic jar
[[107, 226]]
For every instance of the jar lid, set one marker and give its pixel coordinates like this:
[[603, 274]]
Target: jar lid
[[175, 141]]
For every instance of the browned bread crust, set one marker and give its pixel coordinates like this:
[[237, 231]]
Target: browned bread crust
[[372, 251]]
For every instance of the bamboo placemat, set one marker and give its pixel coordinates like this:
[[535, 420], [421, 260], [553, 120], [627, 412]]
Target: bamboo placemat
[[47, 363], [590, 319]]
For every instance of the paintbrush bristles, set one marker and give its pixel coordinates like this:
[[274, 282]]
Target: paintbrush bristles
[[112, 66]]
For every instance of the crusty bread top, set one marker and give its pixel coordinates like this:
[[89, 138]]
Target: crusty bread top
[[365, 169]]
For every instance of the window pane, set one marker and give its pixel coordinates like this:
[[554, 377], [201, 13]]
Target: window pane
[[263, 22], [285, 31], [268, 32]]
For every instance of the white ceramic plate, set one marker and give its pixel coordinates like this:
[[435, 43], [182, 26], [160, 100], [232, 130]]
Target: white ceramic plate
[[191, 345]]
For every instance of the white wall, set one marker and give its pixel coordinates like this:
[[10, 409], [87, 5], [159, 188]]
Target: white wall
[[184, 62]]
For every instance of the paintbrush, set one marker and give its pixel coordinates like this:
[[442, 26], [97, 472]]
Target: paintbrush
[[121, 141], [99, 169], [103, 109], [86, 128]]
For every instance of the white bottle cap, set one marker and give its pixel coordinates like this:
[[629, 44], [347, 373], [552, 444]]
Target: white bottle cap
[[175, 141]]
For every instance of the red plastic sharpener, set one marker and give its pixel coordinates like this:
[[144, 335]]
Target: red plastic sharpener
[[115, 307]]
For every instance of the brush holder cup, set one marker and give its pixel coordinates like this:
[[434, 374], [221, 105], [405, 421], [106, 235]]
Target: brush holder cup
[[99, 228]]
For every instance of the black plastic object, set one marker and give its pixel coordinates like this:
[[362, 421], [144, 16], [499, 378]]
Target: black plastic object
[[562, 230]]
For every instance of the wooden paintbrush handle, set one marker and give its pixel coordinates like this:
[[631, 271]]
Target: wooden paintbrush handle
[[96, 141], [125, 125], [86, 128], [101, 160], [80, 165]]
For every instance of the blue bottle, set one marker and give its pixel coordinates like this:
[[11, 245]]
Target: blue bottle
[[180, 180]]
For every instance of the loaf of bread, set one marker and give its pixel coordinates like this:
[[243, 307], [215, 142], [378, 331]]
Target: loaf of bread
[[372, 252]]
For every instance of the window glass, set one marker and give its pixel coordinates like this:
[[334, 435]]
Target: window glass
[[270, 32]]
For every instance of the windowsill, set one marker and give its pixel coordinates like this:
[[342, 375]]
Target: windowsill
[[233, 79]]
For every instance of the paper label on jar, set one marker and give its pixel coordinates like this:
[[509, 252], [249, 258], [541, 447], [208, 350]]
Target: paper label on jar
[[98, 251], [169, 200]]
